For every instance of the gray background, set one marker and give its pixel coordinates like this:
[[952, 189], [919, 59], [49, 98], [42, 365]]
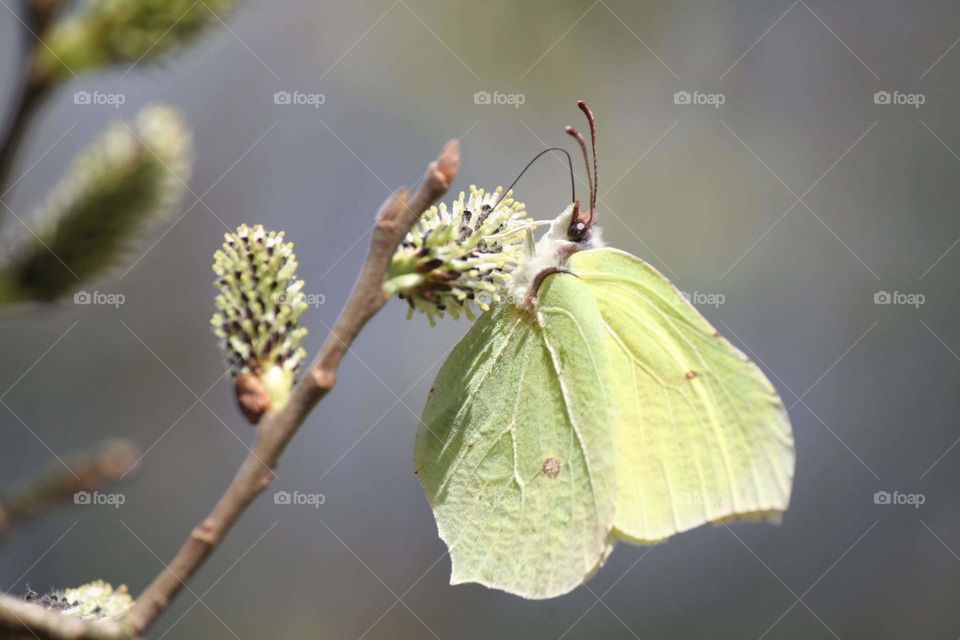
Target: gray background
[[693, 189]]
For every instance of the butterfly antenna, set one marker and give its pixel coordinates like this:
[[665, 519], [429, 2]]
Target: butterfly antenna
[[581, 221], [573, 186], [593, 143], [586, 158]]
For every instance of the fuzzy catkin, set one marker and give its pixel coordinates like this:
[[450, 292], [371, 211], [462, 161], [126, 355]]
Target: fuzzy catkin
[[459, 259], [96, 600], [259, 308], [106, 32], [129, 176]]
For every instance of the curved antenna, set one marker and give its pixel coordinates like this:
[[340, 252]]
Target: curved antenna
[[573, 186], [571, 131], [593, 142], [581, 221]]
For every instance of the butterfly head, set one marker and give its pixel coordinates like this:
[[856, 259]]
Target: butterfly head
[[574, 229], [571, 231], [580, 226]]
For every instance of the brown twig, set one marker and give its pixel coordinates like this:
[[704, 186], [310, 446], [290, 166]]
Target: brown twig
[[394, 220], [34, 88], [396, 217], [85, 472], [31, 97]]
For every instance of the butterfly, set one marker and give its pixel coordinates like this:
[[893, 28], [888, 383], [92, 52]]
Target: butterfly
[[596, 406]]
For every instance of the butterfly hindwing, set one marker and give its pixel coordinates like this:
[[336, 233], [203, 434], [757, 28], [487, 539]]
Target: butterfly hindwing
[[701, 435], [520, 477]]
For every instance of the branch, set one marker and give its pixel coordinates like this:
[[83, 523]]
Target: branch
[[89, 471], [34, 90], [20, 620], [395, 219]]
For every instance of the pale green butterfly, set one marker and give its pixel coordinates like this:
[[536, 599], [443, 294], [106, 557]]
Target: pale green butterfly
[[597, 406]]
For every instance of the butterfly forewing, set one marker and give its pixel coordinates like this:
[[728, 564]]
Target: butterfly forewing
[[700, 433], [512, 451]]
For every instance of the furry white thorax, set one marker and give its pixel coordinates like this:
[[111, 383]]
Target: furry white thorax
[[550, 253]]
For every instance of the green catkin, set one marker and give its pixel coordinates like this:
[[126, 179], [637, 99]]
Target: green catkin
[[259, 308], [95, 600], [460, 259], [132, 174], [107, 32]]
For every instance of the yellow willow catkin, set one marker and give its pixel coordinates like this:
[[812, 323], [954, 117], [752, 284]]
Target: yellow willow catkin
[[259, 308], [129, 176], [96, 600], [105, 32], [460, 258]]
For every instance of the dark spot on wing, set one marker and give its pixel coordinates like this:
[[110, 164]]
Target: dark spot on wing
[[551, 467], [690, 375]]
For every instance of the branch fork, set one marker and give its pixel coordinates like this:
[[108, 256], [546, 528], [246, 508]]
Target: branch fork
[[395, 219]]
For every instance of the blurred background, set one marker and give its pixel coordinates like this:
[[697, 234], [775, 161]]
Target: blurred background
[[744, 151]]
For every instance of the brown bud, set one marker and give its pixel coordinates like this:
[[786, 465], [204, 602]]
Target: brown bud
[[448, 164], [252, 396]]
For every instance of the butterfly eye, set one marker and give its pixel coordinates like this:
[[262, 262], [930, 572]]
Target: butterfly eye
[[578, 232]]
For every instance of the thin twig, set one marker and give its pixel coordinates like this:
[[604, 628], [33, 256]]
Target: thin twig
[[31, 97], [86, 472], [34, 89], [395, 219]]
